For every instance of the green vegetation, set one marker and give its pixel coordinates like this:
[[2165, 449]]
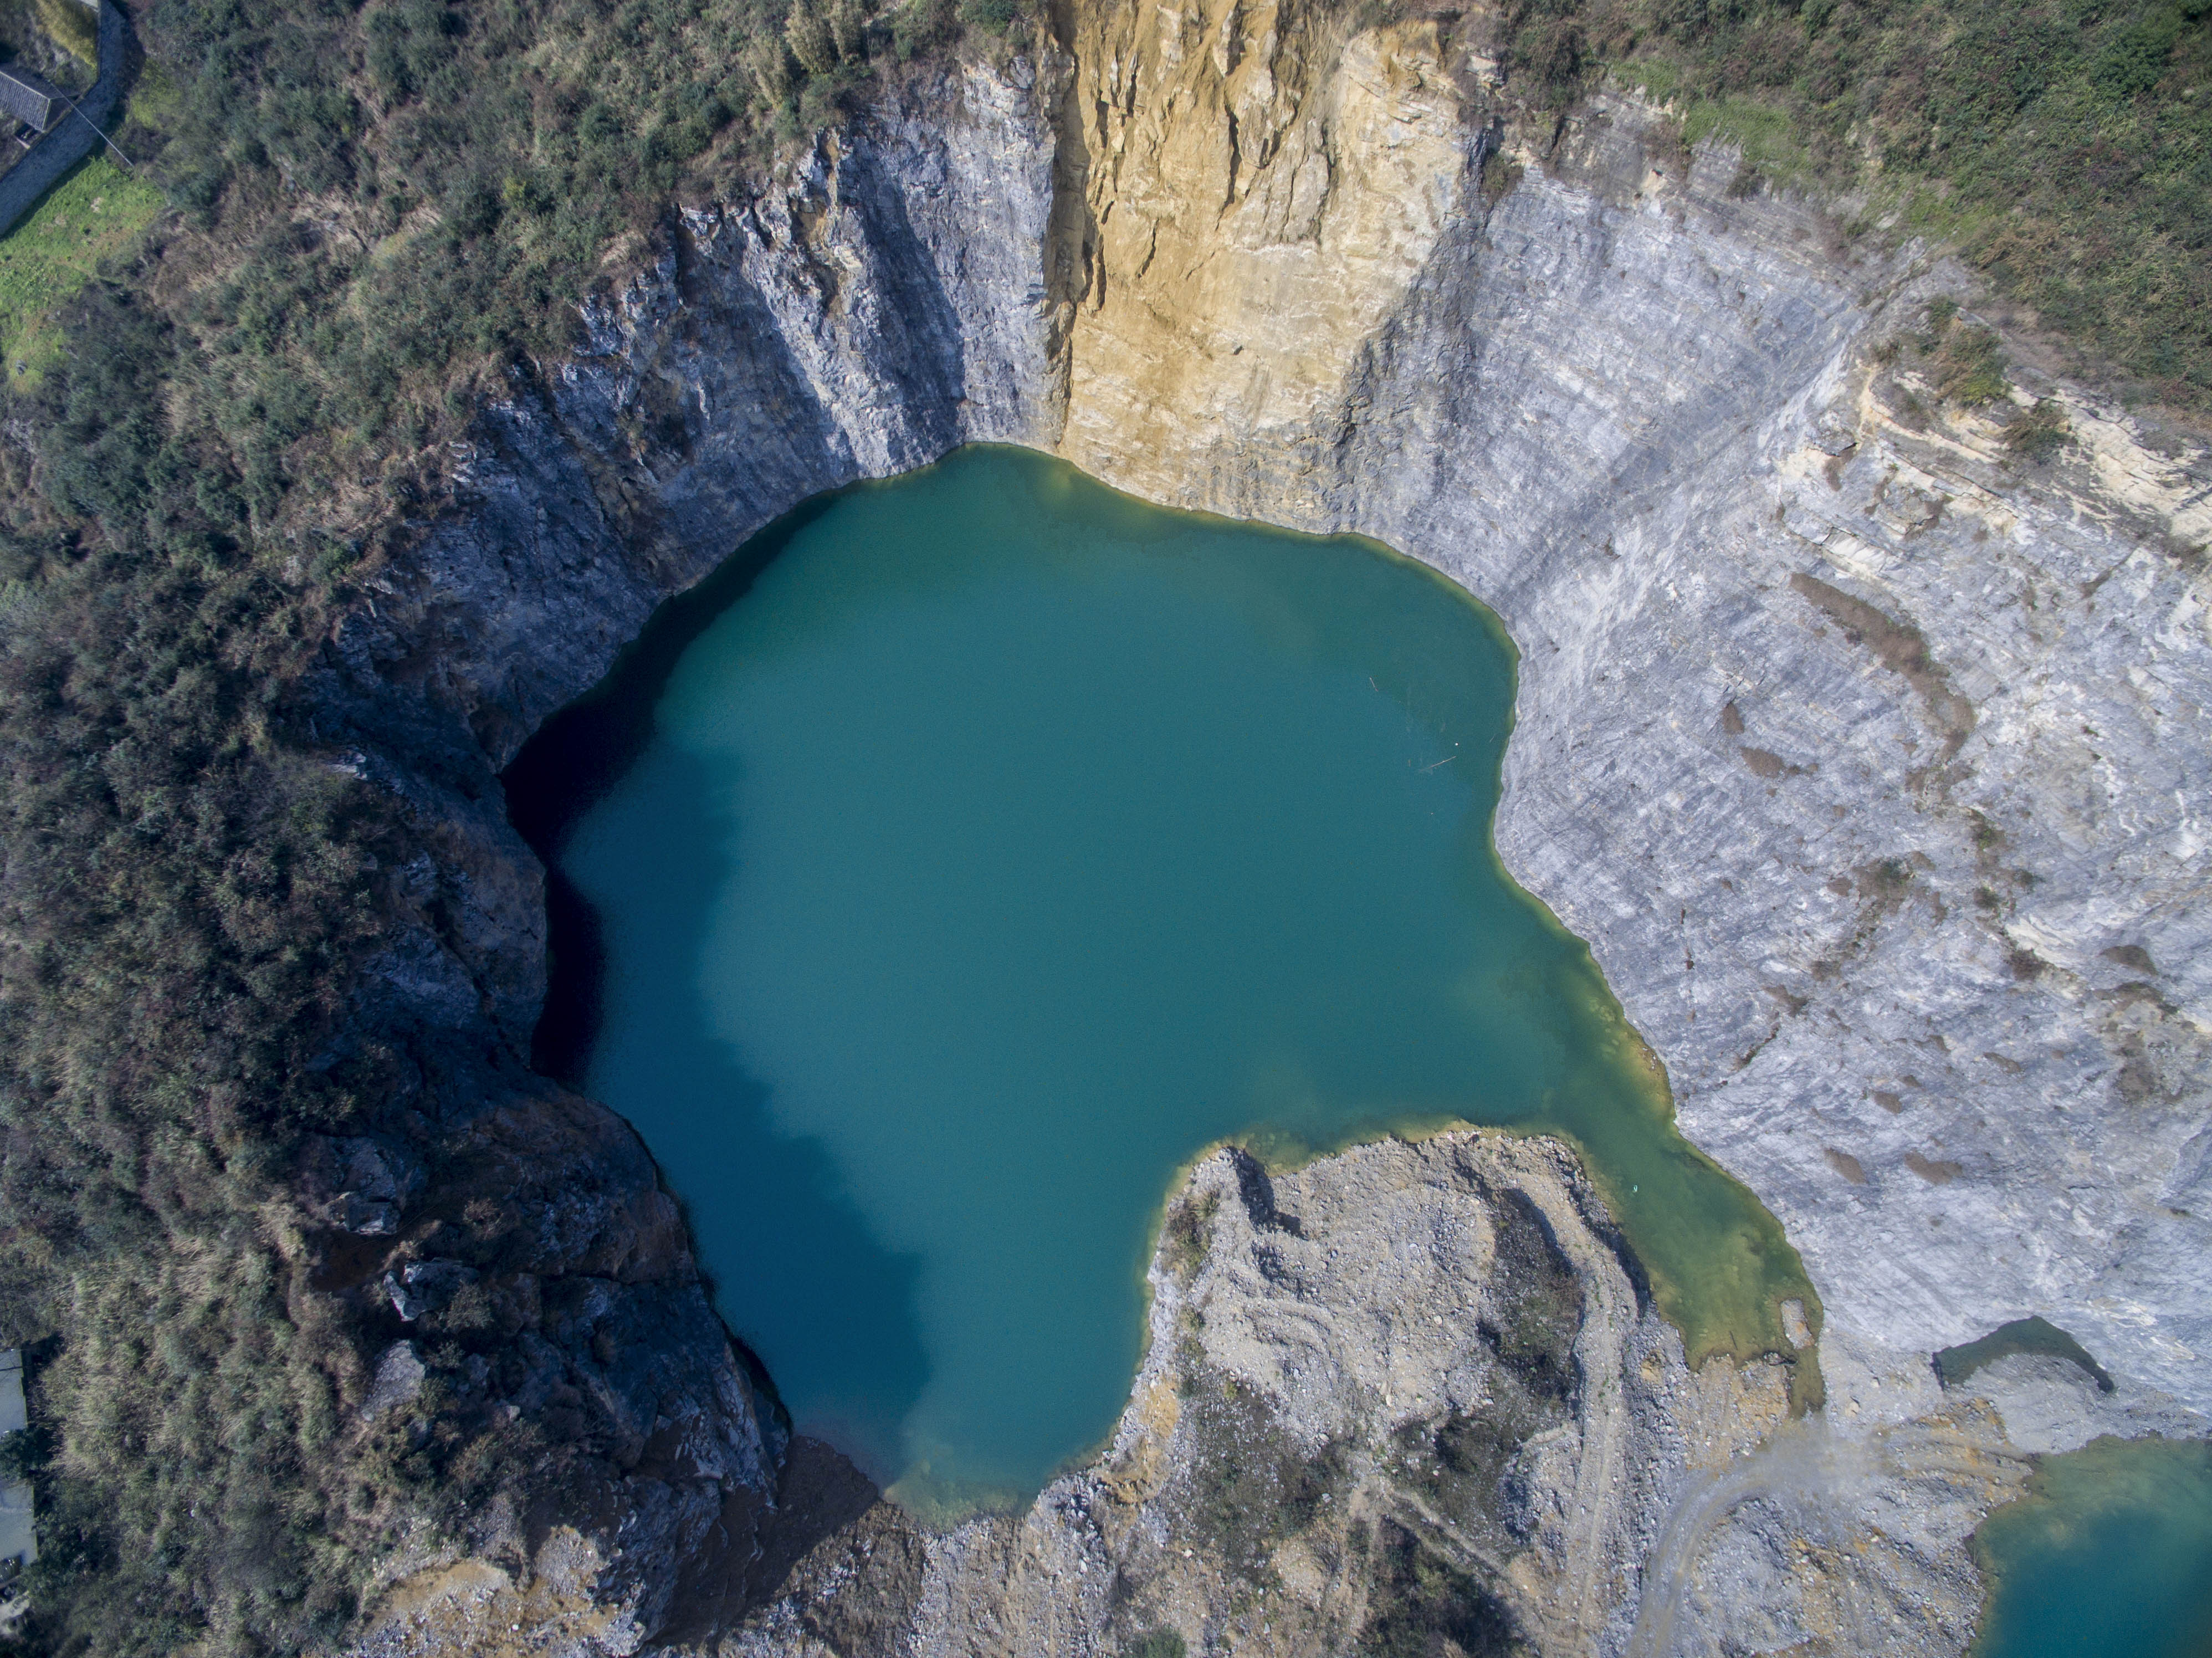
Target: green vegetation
[[2025, 1335], [1158, 1643], [476, 164], [187, 890], [2040, 433], [377, 211], [1251, 1482], [93, 215], [2064, 146], [57, 39], [72, 26], [1188, 1233], [24, 1452], [1964, 364], [1422, 1607]]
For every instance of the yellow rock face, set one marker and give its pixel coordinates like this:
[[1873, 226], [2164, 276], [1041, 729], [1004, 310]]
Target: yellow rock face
[[1261, 194]]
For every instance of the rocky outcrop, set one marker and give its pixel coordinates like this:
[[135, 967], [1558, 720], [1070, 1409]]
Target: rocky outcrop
[[1410, 1395], [76, 128], [866, 312], [1868, 755]]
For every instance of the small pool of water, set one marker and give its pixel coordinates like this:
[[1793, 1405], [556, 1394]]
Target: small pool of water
[[1010, 841], [2109, 1556]]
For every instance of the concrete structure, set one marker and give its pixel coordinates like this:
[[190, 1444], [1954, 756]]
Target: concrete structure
[[75, 134], [30, 98]]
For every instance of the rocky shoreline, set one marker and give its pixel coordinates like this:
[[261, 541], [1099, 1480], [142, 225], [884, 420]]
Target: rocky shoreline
[[1869, 757], [1409, 1392]]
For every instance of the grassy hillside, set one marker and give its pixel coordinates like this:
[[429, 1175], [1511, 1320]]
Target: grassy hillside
[[2062, 147], [90, 217]]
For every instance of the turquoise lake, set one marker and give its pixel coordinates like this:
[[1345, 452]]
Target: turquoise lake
[[2109, 1556], [984, 846]]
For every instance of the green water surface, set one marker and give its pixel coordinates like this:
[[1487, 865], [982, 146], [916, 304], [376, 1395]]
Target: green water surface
[[1011, 841], [2109, 1556]]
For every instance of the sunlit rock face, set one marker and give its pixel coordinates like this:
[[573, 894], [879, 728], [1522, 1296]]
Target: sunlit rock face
[[1870, 760]]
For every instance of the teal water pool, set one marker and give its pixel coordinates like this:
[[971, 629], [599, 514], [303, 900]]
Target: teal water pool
[[1001, 843], [2108, 1556]]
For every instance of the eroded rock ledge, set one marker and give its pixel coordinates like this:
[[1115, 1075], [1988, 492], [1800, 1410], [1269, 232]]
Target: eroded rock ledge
[[1871, 761]]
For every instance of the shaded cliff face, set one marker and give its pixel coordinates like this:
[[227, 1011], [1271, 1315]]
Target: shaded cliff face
[[1870, 763], [875, 307]]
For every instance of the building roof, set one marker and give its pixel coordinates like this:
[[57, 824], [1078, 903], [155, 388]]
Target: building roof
[[28, 98]]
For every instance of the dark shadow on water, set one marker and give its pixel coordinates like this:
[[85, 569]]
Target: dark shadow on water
[[1521, 1032], [793, 1235], [580, 754]]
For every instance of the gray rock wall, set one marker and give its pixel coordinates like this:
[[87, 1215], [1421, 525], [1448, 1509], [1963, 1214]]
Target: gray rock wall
[[1870, 761], [1407, 1395], [873, 306], [1890, 935]]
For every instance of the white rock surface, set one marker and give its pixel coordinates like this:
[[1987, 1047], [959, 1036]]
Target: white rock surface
[[1924, 951]]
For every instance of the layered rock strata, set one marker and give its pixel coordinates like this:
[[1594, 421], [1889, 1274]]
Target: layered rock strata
[[1871, 759], [1871, 765]]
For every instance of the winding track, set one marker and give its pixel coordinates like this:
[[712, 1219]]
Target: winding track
[[1804, 1459]]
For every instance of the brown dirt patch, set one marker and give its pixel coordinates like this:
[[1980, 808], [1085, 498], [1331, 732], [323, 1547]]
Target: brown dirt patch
[[1900, 647], [1934, 1171]]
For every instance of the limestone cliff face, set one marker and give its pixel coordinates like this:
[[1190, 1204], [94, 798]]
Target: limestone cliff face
[[1259, 196], [1871, 762], [1870, 765], [878, 304]]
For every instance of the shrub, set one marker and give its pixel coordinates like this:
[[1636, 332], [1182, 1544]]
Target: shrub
[[2038, 433], [1158, 1643], [807, 32], [381, 208], [232, 435], [993, 16], [1970, 368], [25, 1452], [2048, 141], [1188, 1233], [71, 26]]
